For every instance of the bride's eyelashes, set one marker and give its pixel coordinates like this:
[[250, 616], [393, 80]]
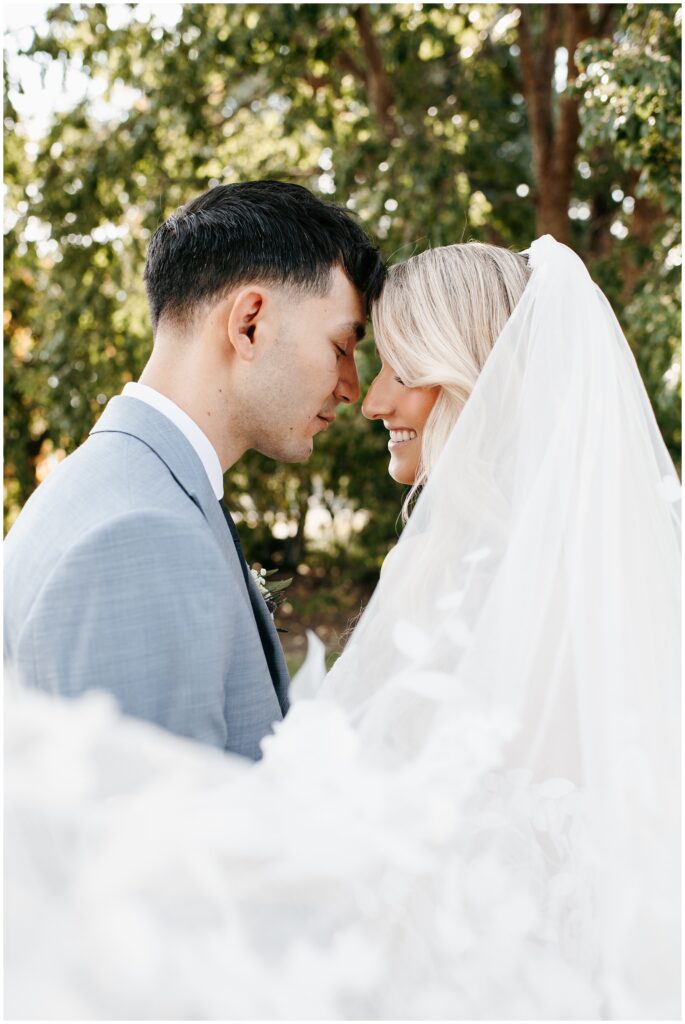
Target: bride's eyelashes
[[400, 381]]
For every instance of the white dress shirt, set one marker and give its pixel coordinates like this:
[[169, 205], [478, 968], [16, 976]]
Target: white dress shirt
[[188, 427]]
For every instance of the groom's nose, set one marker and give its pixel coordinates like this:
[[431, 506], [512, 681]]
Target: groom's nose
[[347, 388]]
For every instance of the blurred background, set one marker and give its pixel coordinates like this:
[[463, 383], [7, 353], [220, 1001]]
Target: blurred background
[[435, 123]]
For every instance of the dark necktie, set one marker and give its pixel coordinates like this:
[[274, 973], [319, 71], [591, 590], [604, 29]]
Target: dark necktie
[[259, 608]]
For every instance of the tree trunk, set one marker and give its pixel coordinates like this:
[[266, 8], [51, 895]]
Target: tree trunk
[[294, 550], [646, 214], [554, 133], [375, 76]]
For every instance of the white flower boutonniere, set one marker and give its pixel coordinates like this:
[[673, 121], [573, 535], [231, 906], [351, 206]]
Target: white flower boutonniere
[[273, 593]]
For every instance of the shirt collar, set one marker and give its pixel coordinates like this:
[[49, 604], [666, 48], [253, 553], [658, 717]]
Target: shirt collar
[[198, 439]]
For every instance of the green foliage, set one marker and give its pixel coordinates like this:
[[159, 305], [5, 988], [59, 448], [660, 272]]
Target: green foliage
[[632, 94], [427, 145], [631, 87]]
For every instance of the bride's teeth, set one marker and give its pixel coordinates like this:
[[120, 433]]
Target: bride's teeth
[[402, 435]]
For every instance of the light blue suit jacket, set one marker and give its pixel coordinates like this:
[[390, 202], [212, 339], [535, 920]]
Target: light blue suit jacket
[[121, 574]]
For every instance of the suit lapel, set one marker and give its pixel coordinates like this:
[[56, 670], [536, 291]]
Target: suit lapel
[[126, 415], [130, 416]]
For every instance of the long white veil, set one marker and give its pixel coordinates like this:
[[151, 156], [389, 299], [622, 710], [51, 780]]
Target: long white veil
[[476, 817], [539, 579]]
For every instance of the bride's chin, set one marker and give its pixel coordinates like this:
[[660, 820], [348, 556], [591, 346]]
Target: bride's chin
[[401, 476]]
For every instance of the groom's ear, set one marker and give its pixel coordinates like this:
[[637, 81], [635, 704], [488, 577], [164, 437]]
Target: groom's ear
[[243, 321]]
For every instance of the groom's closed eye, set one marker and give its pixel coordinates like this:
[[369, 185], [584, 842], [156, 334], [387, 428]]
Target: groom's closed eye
[[343, 348], [348, 334]]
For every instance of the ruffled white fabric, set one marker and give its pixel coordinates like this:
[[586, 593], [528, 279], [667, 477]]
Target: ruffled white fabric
[[476, 816], [152, 878]]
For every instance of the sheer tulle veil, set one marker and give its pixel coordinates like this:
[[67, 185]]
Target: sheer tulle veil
[[536, 586]]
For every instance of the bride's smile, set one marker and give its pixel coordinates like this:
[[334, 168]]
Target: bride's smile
[[400, 435], [404, 412]]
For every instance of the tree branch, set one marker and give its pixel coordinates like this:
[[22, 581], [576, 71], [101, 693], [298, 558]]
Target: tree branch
[[377, 81], [646, 215], [348, 63], [604, 21], [577, 26]]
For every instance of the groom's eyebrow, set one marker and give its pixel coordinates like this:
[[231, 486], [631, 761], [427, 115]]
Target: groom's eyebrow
[[352, 330]]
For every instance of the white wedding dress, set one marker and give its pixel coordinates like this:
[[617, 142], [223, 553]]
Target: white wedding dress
[[475, 816]]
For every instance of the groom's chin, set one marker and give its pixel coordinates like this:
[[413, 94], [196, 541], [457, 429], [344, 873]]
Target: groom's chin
[[290, 451]]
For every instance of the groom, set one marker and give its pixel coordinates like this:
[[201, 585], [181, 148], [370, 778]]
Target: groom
[[124, 569]]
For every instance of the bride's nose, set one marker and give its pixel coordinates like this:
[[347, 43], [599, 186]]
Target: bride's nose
[[376, 404]]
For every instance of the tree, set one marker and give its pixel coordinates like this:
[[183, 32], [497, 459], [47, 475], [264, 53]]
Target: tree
[[418, 117]]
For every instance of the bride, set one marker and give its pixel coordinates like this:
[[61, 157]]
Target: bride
[[476, 813]]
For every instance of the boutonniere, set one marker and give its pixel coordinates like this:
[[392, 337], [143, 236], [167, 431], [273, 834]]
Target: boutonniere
[[273, 593]]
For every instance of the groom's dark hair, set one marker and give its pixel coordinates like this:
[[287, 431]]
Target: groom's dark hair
[[267, 231]]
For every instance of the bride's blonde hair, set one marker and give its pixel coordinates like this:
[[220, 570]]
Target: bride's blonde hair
[[435, 323]]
